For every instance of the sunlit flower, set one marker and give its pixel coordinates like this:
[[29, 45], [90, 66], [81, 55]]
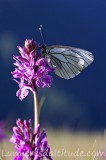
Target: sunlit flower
[[31, 69], [31, 145]]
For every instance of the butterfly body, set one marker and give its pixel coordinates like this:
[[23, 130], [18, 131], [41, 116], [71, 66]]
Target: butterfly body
[[67, 61]]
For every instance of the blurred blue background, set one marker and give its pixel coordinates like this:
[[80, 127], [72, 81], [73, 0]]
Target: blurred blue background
[[80, 103]]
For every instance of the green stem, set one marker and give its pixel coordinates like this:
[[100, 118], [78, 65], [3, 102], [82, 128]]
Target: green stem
[[36, 110]]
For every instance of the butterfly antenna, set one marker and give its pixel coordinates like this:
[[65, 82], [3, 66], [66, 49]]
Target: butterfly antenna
[[41, 33]]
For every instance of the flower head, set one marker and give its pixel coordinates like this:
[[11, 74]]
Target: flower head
[[31, 145], [31, 69], [2, 134]]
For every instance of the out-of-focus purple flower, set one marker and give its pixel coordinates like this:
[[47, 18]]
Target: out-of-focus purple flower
[[31, 69], [34, 146], [2, 134]]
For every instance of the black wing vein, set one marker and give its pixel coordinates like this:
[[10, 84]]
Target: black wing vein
[[69, 61]]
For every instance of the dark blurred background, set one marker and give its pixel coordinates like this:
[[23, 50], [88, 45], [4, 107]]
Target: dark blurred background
[[80, 103]]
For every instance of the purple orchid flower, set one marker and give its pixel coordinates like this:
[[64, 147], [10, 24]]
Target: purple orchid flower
[[34, 146], [31, 69]]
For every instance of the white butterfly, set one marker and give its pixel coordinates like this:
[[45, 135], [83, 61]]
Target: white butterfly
[[68, 61]]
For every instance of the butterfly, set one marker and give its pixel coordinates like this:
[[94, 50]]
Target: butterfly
[[67, 61]]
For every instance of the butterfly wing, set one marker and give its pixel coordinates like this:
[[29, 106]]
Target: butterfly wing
[[68, 61]]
